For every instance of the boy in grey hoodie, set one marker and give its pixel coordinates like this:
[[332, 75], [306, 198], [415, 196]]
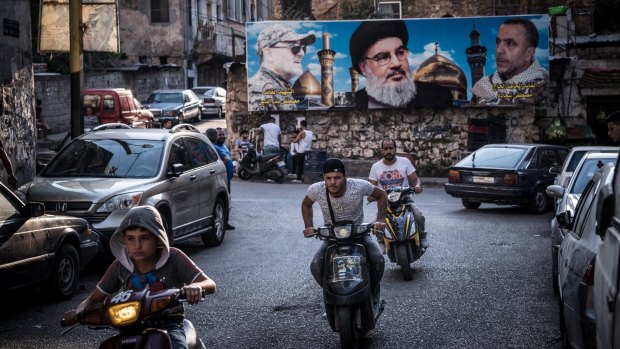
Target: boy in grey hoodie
[[145, 258]]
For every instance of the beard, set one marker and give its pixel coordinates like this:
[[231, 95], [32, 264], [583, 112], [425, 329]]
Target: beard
[[398, 94]]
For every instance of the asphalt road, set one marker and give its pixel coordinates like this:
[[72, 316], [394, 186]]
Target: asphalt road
[[484, 283]]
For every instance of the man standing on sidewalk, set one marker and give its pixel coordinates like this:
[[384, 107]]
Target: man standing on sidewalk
[[218, 138], [395, 171], [304, 143]]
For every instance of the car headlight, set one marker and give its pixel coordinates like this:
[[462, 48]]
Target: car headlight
[[394, 196], [121, 202], [169, 113], [124, 314], [342, 232]]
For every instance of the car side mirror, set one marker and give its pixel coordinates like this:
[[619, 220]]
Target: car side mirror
[[604, 209], [565, 221], [555, 170], [175, 170], [555, 191], [35, 209]]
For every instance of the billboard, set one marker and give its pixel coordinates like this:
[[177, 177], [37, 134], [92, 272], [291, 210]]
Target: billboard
[[386, 64]]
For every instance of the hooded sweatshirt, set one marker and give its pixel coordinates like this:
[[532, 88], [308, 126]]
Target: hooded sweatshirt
[[173, 269]]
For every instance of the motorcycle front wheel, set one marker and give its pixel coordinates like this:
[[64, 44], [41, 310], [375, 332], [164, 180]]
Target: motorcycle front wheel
[[403, 261], [243, 174], [346, 328]]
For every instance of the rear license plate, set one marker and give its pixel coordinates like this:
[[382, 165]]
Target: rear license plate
[[280, 164], [347, 268], [479, 179]]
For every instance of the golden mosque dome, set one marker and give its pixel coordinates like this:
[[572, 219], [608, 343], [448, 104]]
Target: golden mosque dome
[[307, 84], [440, 70]]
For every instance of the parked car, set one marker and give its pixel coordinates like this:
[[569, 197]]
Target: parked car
[[568, 198], [573, 158], [607, 267], [116, 105], [576, 265], [41, 249], [100, 175], [213, 100], [506, 174], [178, 106]]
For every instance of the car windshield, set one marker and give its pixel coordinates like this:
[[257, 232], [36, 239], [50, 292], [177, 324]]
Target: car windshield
[[165, 98], [574, 160], [107, 158], [493, 158], [586, 172]]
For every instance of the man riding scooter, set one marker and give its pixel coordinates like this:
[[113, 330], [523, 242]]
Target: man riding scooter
[[347, 200], [396, 171]]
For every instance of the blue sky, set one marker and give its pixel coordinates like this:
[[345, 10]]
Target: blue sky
[[451, 34]]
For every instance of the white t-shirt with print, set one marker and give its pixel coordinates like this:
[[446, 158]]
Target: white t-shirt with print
[[392, 176]]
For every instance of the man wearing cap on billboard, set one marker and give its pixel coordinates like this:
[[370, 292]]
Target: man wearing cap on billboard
[[519, 77], [379, 52], [613, 127], [280, 50], [347, 199]]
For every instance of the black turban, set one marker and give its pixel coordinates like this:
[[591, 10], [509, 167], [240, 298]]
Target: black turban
[[369, 32]]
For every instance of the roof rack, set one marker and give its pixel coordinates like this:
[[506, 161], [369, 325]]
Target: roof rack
[[184, 127]]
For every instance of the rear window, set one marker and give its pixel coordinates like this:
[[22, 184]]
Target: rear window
[[493, 158], [107, 158]]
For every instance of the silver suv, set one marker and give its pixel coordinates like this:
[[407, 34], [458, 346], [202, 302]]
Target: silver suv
[[100, 175]]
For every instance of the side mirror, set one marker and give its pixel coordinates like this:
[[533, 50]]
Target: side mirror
[[555, 170], [175, 170], [35, 209], [565, 221], [604, 209], [555, 191]]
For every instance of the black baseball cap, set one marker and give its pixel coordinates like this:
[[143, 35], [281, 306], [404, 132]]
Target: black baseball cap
[[333, 165]]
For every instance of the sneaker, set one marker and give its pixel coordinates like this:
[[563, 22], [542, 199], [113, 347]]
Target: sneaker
[[270, 181], [291, 175], [296, 181]]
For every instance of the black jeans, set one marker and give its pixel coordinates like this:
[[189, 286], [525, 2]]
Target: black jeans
[[299, 164], [373, 253]]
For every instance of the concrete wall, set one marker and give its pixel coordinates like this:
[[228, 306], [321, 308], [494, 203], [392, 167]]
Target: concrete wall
[[55, 90], [437, 137], [17, 118]]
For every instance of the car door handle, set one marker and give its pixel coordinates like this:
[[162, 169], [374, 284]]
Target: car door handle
[[610, 303], [212, 171], [192, 178]]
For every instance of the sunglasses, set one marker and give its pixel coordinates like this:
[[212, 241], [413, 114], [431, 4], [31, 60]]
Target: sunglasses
[[383, 58], [295, 48]]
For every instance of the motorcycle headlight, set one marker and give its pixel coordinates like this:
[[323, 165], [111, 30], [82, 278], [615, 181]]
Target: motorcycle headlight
[[393, 196], [342, 232], [121, 202], [124, 314]]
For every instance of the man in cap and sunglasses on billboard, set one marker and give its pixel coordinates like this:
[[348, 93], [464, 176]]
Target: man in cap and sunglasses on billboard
[[379, 52], [280, 50]]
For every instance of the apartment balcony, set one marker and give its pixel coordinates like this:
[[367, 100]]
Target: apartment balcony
[[219, 43]]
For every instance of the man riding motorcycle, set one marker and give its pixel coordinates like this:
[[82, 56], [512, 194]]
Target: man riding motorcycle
[[396, 171], [347, 200]]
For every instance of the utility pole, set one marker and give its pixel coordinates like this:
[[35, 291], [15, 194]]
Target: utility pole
[[77, 77]]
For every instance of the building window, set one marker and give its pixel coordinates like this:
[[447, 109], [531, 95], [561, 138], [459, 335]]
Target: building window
[[237, 10], [390, 9], [160, 11]]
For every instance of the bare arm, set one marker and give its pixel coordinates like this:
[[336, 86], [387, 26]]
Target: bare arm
[[71, 316], [373, 182], [307, 214], [414, 181], [380, 196], [193, 291], [301, 135]]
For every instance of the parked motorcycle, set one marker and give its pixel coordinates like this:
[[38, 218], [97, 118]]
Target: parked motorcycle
[[254, 165], [349, 304], [401, 238], [133, 314]]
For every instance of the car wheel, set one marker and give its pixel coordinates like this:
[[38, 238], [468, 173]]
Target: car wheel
[[470, 205], [65, 274], [539, 201], [218, 226]]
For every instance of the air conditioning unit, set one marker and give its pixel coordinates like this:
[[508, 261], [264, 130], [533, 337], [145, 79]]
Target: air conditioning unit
[[390, 9]]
